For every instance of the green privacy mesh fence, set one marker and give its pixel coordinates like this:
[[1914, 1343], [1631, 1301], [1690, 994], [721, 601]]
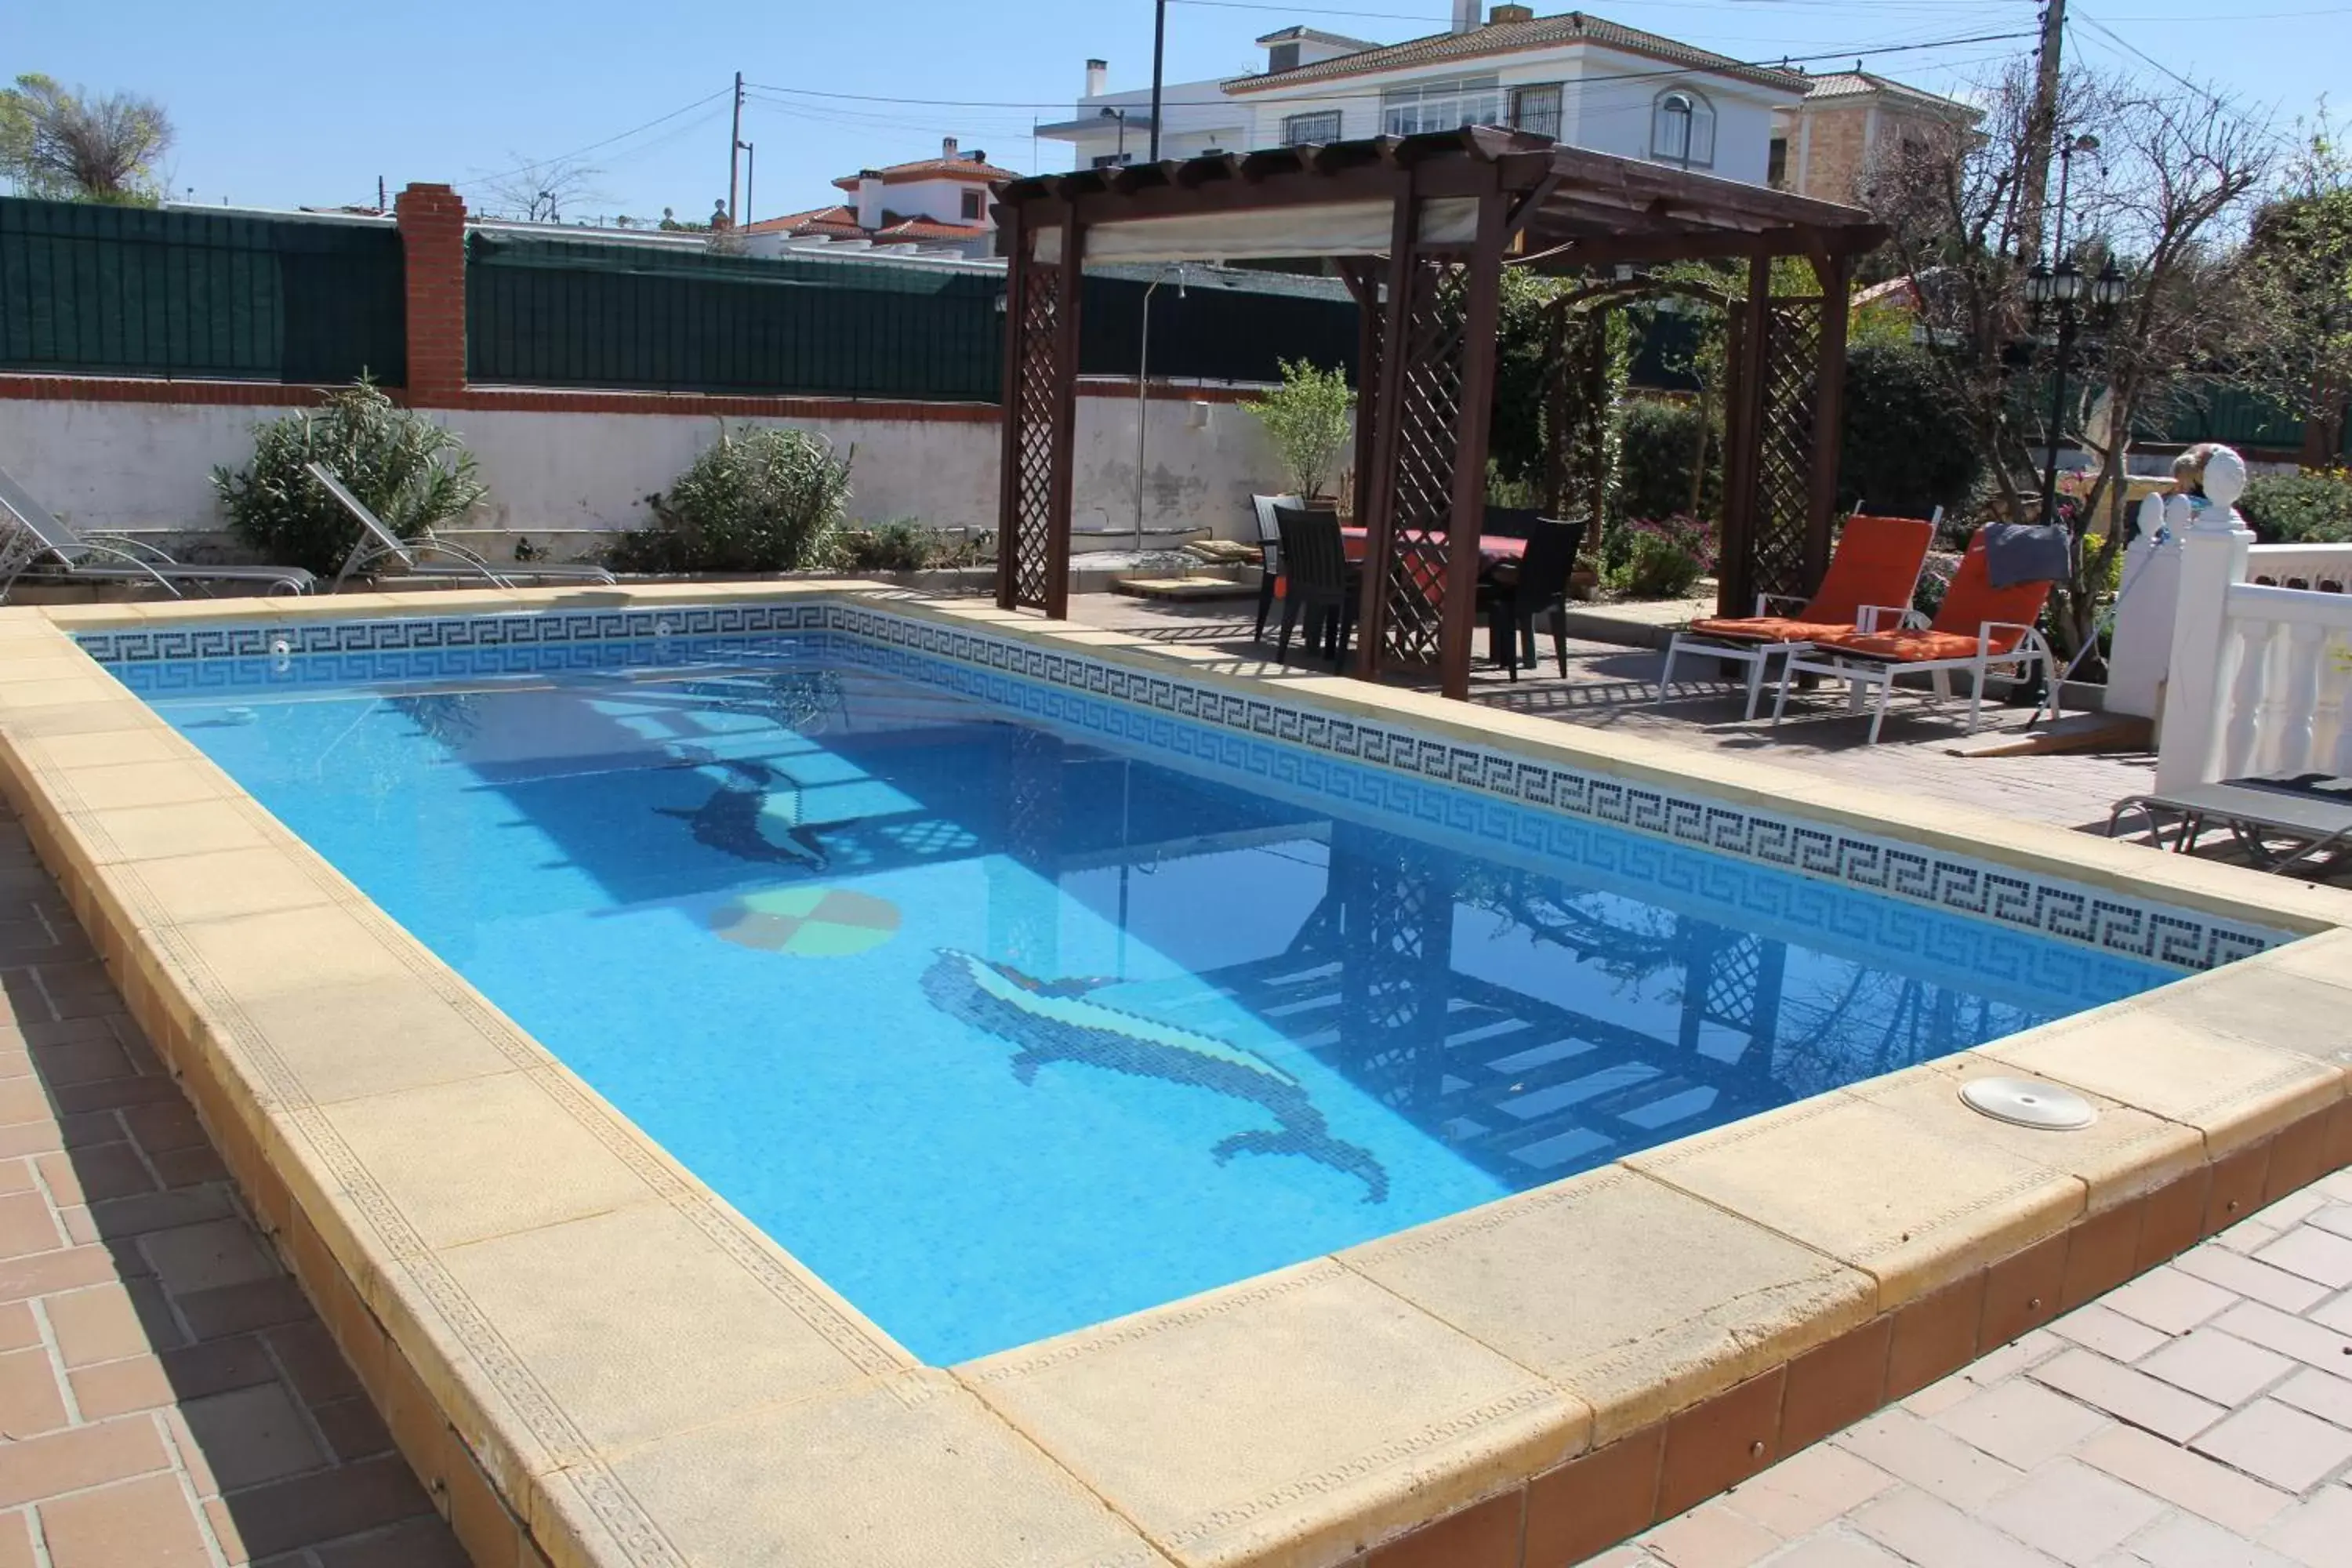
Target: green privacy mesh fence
[[169, 293]]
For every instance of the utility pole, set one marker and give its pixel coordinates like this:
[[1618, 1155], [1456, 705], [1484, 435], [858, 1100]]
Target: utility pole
[[734, 146], [2040, 134], [379, 195], [1159, 50]]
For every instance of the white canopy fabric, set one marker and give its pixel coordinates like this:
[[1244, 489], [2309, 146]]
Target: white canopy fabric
[[1333, 228]]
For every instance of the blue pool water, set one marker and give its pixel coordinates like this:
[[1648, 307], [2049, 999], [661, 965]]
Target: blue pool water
[[1005, 1031]]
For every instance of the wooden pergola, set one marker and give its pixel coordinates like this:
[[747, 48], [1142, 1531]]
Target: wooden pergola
[[1422, 228]]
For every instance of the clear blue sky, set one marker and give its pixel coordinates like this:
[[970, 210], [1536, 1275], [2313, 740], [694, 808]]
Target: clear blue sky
[[280, 104]]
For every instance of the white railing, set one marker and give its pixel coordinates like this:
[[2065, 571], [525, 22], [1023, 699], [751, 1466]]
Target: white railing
[[2261, 675]]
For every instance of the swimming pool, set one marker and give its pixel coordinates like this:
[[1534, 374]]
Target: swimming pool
[[1008, 1023]]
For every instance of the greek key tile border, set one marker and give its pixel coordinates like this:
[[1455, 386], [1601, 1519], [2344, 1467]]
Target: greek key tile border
[[1170, 713]]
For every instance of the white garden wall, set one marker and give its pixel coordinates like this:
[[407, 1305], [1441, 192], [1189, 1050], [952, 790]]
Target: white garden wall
[[557, 477]]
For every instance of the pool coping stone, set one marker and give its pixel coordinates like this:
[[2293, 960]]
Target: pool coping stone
[[1762, 1283]]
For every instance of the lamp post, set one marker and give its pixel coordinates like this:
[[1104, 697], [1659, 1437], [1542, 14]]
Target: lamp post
[[1159, 53], [2062, 293]]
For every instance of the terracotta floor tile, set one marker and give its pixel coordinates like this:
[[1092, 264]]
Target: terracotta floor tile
[[2168, 1300], [149, 1522], [251, 1435], [2330, 1350], [1710, 1536], [325, 1505], [1837, 1549], [2072, 1511], [120, 1387], [1484, 1535], [16, 1542], [2184, 1540], [2317, 1533], [2217, 1366], [160, 1128], [2315, 1253], [318, 1368], [94, 1173], [1934, 1534], [30, 1402], [2100, 1328], [2329, 1398], [1805, 1491], [1721, 1441], [352, 1427], [2184, 1479], [79, 1457], [25, 1226], [241, 1309], [17, 1328], [2246, 1277], [108, 1322], [417, 1543], [67, 1063], [206, 1256], [2290, 1448], [2128, 1395], [1929, 1459], [2020, 1421], [188, 1167]]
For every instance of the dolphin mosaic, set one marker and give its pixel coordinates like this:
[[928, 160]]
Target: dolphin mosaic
[[738, 819], [1055, 1023]]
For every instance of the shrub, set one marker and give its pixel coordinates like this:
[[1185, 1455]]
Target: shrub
[[1906, 449], [1657, 442], [906, 545], [1656, 559], [411, 472], [1306, 418], [753, 501], [2313, 507]]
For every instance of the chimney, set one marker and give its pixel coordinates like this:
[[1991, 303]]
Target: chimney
[[948, 148], [1465, 15], [869, 199], [1098, 78], [1502, 13]]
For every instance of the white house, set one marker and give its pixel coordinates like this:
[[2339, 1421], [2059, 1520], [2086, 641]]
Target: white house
[[933, 203], [1577, 78]]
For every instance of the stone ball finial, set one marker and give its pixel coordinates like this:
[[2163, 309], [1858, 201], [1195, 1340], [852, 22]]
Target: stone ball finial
[[2225, 478]]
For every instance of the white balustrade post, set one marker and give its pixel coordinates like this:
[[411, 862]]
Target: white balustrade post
[[2141, 652], [2212, 559]]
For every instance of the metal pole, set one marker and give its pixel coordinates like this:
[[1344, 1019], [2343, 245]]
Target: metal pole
[[1159, 50], [2057, 411], [751, 172], [734, 146], [1142, 407]]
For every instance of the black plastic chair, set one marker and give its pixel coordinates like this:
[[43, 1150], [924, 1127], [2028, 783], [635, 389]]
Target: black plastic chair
[[1269, 541], [1316, 582], [1512, 598], [1511, 521]]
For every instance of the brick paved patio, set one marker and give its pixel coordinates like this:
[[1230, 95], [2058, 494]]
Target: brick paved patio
[[2200, 1416], [167, 1399], [1610, 686]]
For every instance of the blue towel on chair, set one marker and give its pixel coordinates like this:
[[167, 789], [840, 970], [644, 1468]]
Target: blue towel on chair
[[2026, 553]]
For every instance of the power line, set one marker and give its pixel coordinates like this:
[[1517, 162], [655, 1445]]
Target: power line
[[1219, 102], [593, 146]]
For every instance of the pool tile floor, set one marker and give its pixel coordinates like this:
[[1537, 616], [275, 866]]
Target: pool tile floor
[[167, 1397], [2200, 1415]]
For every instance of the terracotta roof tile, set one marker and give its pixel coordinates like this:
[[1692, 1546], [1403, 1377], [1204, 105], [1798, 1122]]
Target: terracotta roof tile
[[934, 169]]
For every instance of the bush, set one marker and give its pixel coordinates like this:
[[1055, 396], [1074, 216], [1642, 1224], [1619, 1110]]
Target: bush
[[1306, 418], [1656, 444], [1906, 449], [909, 546], [1656, 559], [411, 472], [2313, 507], [754, 501]]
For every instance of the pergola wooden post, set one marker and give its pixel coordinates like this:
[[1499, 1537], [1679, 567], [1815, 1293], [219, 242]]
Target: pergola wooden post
[[1422, 227]]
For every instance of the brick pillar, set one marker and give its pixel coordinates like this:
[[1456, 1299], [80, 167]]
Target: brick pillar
[[433, 234]]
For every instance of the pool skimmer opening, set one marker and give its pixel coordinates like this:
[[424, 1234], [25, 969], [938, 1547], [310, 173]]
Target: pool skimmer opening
[[2028, 1103]]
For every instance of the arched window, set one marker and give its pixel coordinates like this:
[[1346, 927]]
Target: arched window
[[1681, 129]]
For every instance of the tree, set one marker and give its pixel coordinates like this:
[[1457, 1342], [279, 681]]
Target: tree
[[2173, 173], [2298, 285], [71, 145], [539, 192]]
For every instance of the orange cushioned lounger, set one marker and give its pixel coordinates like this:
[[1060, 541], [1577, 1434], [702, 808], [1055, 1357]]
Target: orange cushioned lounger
[[1976, 628], [1876, 567]]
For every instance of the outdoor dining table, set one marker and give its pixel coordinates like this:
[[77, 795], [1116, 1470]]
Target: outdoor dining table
[[1492, 548]]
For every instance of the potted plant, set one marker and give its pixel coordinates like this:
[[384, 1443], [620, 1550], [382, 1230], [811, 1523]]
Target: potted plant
[[1309, 420]]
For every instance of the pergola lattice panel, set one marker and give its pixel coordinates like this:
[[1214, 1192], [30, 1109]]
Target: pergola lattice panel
[[1037, 404], [1780, 545], [1429, 412]]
